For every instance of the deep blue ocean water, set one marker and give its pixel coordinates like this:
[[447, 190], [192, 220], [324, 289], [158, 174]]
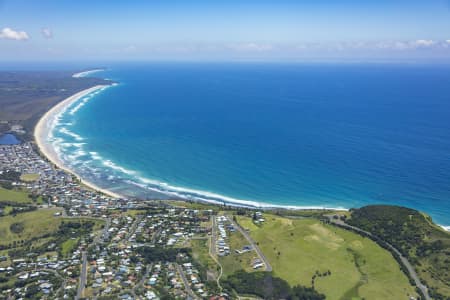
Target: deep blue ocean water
[[328, 135]]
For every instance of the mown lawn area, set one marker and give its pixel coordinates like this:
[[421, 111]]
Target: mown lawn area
[[68, 246], [29, 177], [27, 225], [14, 196], [358, 268]]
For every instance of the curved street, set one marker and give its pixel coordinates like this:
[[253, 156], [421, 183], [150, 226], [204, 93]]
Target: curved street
[[252, 243]]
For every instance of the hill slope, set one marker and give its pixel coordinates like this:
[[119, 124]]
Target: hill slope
[[413, 233]]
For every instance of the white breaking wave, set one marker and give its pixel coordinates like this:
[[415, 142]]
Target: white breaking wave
[[446, 228], [68, 145], [190, 194], [79, 105], [131, 176], [86, 73], [70, 133], [95, 156], [112, 165], [77, 154], [56, 122]]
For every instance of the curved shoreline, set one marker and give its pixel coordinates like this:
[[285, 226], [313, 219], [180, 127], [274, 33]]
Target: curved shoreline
[[43, 128]]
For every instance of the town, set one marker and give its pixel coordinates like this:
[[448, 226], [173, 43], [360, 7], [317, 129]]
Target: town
[[64, 240], [104, 246]]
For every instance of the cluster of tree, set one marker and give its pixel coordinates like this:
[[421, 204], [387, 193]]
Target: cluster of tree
[[17, 207], [66, 228], [319, 274], [6, 184], [22, 209], [20, 248], [156, 254], [400, 226], [410, 232], [10, 175], [17, 227], [265, 285], [436, 246]]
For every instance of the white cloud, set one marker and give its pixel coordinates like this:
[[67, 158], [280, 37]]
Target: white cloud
[[251, 47], [47, 33], [411, 45], [424, 43], [9, 34]]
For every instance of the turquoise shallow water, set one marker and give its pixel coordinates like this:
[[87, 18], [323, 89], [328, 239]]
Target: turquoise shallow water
[[276, 134]]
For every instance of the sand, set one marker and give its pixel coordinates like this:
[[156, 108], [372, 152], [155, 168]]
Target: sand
[[42, 131]]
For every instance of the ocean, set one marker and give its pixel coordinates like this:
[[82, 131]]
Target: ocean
[[267, 134]]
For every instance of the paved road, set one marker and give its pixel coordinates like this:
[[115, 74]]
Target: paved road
[[83, 275], [133, 228], [186, 283], [403, 259], [212, 250], [144, 277], [213, 236], [252, 243], [155, 236]]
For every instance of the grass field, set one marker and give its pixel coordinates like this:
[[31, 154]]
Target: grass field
[[14, 196], [29, 177], [134, 212], [33, 224], [298, 248], [235, 261], [68, 246], [200, 252], [194, 205], [425, 244]]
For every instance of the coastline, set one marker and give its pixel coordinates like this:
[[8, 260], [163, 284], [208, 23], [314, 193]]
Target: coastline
[[42, 130]]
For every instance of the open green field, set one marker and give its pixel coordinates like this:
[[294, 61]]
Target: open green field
[[193, 205], [426, 245], [29, 177], [14, 196], [359, 268], [234, 262], [200, 252], [28, 225], [68, 246]]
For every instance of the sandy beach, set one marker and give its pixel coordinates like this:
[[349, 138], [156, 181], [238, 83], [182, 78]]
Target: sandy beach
[[42, 130]]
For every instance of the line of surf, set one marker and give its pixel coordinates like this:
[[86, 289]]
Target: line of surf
[[45, 127], [47, 123]]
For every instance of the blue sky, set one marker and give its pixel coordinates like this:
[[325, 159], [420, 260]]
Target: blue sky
[[231, 29]]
